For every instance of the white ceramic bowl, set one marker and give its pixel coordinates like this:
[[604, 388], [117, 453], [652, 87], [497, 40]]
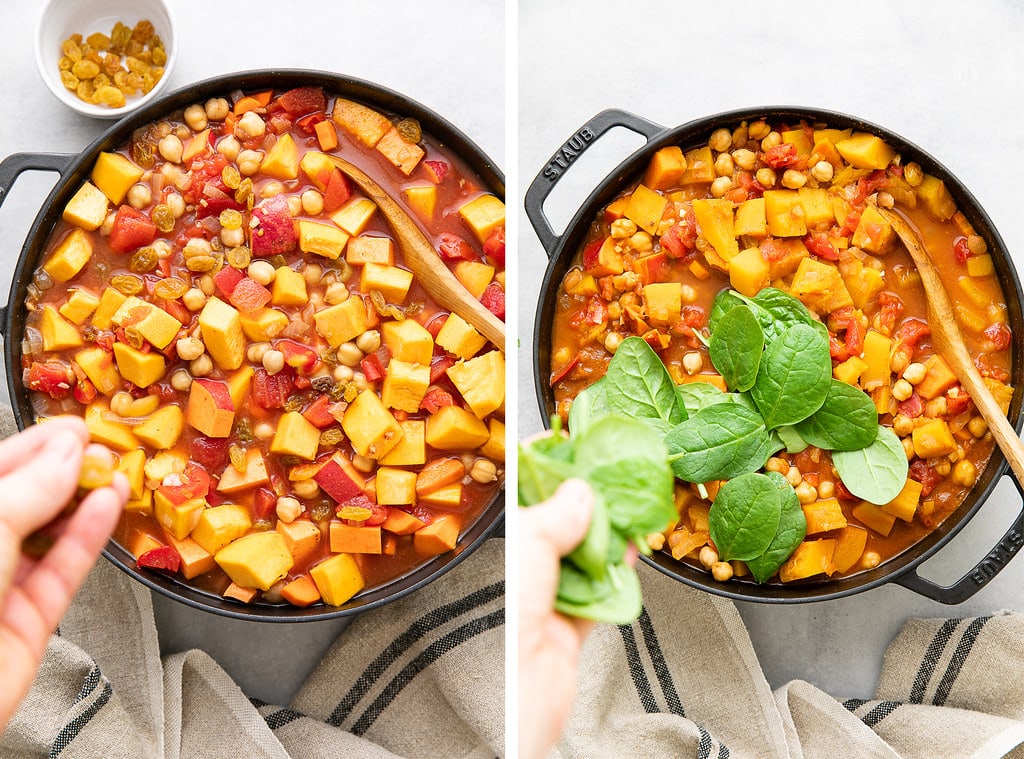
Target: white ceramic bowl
[[60, 19]]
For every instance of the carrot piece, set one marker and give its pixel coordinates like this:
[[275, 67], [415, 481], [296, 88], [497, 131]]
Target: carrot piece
[[327, 136], [438, 473], [440, 536], [252, 102], [300, 592], [348, 539], [245, 595]]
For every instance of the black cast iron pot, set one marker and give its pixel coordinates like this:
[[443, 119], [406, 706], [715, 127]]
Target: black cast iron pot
[[75, 168], [562, 249]]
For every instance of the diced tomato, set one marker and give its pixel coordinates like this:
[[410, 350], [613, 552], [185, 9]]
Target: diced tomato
[[454, 248], [300, 357], [264, 503], [494, 247], [372, 368], [867, 185], [435, 400], [960, 250], [850, 225], [319, 414], [912, 406], [753, 188], [279, 123], [301, 383], [957, 401], [680, 241], [845, 320], [249, 295], [597, 312], [271, 390], [912, 331], [206, 168], [439, 368], [924, 473], [213, 205], [438, 170], [435, 325], [209, 452], [308, 123], [337, 191], [195, 483], [694, 316], [303, 100], [842, 493], [1000, 336], [165, 558], [378, 514], [781, 156], [162, 390], [51, 378], [590, 254], [227, 279], [890, 309], [85, 392], [493, 300], [132, 229], [819, 244]]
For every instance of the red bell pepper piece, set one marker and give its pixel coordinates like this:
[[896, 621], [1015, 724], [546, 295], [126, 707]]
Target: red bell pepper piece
[[249, 295], [372, 368], [131, 230], [454, 248], [164, 558], [494, 247], [493, 300], [303, 100]]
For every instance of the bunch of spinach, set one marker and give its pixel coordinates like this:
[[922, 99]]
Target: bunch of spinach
[[625, 463]]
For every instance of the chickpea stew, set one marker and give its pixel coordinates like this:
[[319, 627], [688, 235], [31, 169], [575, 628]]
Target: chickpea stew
[[731, 265], [297, 418]]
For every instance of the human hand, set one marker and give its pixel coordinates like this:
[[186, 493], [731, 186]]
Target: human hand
[[38, 476], [549, 642]]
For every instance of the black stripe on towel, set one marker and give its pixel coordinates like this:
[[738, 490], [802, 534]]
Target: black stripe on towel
[[853, 704], [637, 672], [400, 645], [92, 680], [71, 730], [931, 660], [428, 656], [282, 717], [880, 712], [668, 688], [956, 663]]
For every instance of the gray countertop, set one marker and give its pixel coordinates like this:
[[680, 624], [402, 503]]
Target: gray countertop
[[945, 75], [448, 56]]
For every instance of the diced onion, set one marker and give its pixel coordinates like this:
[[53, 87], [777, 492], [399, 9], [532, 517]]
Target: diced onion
[[34, 341], [39, 404]]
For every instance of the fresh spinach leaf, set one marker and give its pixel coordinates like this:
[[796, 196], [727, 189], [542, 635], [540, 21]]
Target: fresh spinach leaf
[[588, 405], [619, 601], [846, 421], [638, 385], [578, 587], [876, 473], [698, 395], [793, 378], [791, 532], [725, 301], [789, 437], [735, 348], [717, 443], [613, 438], [591, 556], [745, 516], [637, 492], [542, 469]]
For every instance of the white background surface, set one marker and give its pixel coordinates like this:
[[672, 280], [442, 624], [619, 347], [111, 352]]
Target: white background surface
[[946, 75], [448, 56]]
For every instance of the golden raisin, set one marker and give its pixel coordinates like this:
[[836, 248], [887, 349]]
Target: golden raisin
[[230, 219], [170, 289], [354, 513], [239, 258], [231, 179], [110, 95], [69, 80], [127, 284], [98, 40], [85, 69]]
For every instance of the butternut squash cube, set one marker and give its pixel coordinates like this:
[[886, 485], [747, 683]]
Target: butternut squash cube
[[132, 465], [195, 560], [348, 539], [153, 323], [457, 336], [820, 286], [850, 371], [113, 175], [110, 301], [110, 433], [301, 537], [750, 218], [862, 280], [440, 536], [832, 135], [401, 522], [79, 306], [196, 145], [783, 255], [255, 474], [370, 250], [318, 167], [483, 215], [823, 516], [257, 560], [904, 506], [393, 283], [665, 169], [338, 579], [58, 334], [606, 261], [474, 276], [865, 151], [321, 239], [68, 258], [411, 451], [264, 325], [163, 428], [938, 378], [98, 366], [142, 369], [784, 213], [370, 427], [980, 266], [663, 302], [356, 119], [800, 138], [645, 208], [700, 166], [812, 557], [877, 350], [422, 199], [354, 215], [874, 233], [453, 428], [87, 208], [447, 497], [143, 504], [409, 341], [748, 272], [817, 205], [282, 160], [936, 198], [177, 519], [933, 439], [219, 525], [494, 448], [343, 322], [405, 156], [405, 385], [1001, 392], [395, 487], [873, 517], [289, 288], [295, 436], [850, 544], [481, 381], [714, 216], [211, 409]]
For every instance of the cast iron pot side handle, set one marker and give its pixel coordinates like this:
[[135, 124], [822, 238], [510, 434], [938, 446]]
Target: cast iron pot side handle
[[562, 161], [978, 577]]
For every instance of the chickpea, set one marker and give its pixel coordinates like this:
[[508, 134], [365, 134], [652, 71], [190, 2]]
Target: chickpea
[[360, 381], [336, 292], [306, 489], [693, 362], [900, 360], [369, 341], [936, 407], [263, 431], [943, 467], [312, 202], [901, 390], [707, 556], [196, 118], [870, 559], [655, 541], [181, 380], [207, 285], [977, 426], [363, 464], [777, 464], [232, 238], [217, 109], [108, 224], [826, 489], [197, 246], [194, 299], [140, 196], [121, 403], [171, 149], [722, 571], [484, 471], [724, 166], [793, 179], [273, 361], [176, 203], [885, 199], [271, 189], [622, 228], [343, 373], [793, 476], [744, 158], [912, 174], [288, 509], [758, 130], [294, 205], [902, 425], [202, 366], [189, 348], [806, 492], [771, 140], [721, 186], [823, 171], [689, 293], [183, 132], [977, 245], [170, 172], [249, 162], [914, 373], [612, 342], [965, 473], [229, 147], [349, 354], [721, 140], [251, 125], [765, 177], [908, 448], [262, 271]]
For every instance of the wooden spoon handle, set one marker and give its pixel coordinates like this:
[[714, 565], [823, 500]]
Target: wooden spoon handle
[[951, 346], [425, 262]]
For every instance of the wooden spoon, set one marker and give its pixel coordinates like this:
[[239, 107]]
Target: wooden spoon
[[950, 344], [424, 261]]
